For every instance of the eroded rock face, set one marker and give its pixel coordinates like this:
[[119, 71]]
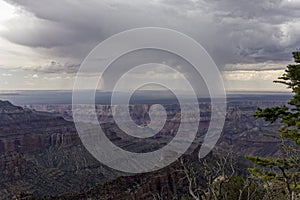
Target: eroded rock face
[[241, 129], [166, 183], [41, 153], [27, 131], [11, 167]]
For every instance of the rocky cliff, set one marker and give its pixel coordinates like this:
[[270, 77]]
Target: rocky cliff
[[42, 153]]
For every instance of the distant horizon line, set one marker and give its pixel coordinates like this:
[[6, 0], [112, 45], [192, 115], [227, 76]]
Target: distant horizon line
[[227, 91]]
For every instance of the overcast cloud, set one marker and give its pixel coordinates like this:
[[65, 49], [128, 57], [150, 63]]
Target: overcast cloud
[[240, 35]]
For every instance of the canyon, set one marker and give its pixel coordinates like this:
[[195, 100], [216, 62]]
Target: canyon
[[41, 153]]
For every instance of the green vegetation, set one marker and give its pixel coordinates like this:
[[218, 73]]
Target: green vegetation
[[281, 174]]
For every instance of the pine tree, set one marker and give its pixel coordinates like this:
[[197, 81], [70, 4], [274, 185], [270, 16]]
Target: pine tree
[[284, 170]]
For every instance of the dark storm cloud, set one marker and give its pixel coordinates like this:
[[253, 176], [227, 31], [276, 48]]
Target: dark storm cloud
[[259, 27], [232, 31], [268, 11]]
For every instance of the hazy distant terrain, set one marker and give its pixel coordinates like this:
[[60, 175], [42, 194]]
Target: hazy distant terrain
[[35, 97]]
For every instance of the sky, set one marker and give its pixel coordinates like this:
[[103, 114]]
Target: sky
[[42, 43]]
